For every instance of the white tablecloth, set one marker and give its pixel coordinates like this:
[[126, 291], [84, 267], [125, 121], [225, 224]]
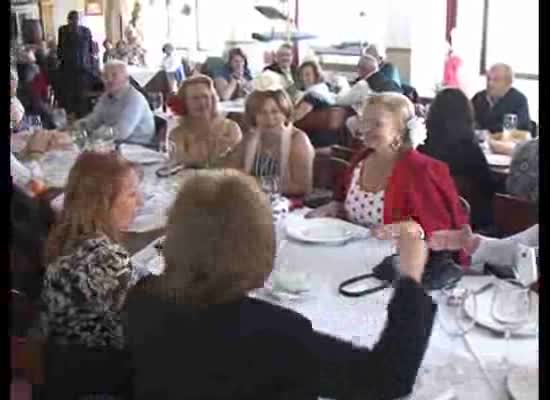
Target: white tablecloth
[[141, 74], [447, 364]]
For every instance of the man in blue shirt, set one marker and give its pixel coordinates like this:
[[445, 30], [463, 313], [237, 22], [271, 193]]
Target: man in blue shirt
[[122, 107]]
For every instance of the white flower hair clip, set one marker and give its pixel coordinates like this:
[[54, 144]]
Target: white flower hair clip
[[268, 81], [417, 131]]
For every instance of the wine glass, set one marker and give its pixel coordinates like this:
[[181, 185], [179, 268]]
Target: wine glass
[[510, 122], [270, 185], [104, 139], [452, 315], [80, 136], [511, 307]]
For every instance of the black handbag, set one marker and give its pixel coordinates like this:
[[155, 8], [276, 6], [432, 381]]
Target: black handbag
[[441, 272]]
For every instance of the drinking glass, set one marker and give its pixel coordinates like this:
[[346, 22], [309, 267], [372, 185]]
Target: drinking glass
[[510, 122], [60, 118], [452, 311], [103, 139], [270, 185], [511, 307], [80, 136]]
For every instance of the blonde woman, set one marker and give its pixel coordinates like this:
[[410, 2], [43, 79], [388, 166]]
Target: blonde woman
[[388, 181], [203, 137], [274, 148], [197, 316], [87, 277]]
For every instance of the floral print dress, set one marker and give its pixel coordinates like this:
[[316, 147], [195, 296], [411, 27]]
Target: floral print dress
[[83, 294]]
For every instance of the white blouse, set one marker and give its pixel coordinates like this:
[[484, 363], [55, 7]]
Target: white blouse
[[502, 252], [361, 207]]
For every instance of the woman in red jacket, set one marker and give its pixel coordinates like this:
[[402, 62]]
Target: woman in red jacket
[[388, 180]]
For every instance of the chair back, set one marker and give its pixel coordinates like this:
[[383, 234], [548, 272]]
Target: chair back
[[513, 215], [328, 121], [327, 168], [533, 128]]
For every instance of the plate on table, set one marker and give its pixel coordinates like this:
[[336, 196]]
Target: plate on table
[[323, 230], [147, 222], [499, 160], [141, 155], [484, 317], [523, 383]]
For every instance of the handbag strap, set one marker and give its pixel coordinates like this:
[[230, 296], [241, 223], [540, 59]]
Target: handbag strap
[[342, 288]]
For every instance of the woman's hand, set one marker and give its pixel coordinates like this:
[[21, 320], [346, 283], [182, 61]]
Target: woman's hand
[[392, 231], [455, 240], [413, 252], [334, 209]]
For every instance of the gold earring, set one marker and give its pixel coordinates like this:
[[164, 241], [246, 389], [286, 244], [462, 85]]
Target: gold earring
[[396, 145]]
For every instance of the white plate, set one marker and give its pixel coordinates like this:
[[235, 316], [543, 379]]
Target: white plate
[[484, 317], [141, 155], [499, 160], [323, 230], [147, 222], [523, 383]]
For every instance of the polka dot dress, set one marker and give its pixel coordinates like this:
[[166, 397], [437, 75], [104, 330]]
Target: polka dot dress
[[363, 208]]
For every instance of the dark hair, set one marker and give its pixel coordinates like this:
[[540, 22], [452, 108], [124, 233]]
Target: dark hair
[[72, 14], [316, 70], [234, 52], [450, 117]]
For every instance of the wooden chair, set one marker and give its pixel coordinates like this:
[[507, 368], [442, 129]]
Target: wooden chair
[[328, 121], [470, 191], [161, 130], [513, 215]]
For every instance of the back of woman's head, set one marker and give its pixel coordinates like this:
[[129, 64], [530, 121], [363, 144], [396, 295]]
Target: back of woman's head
[[451, 113], [220, 240], [94, 182]]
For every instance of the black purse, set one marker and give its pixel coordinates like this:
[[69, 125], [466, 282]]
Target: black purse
[[441, 272]]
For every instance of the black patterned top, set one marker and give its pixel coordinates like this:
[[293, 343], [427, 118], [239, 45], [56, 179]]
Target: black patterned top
[[83, 293], [523, 180]]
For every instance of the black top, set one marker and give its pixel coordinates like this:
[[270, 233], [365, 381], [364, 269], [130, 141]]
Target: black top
[[513, 102], [379, 83], [250, 349], [75, 47], [465, 159]]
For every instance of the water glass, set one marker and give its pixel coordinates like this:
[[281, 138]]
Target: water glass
[[80, 136], [60, 119], [511, 307], [103, 139], [452, 310], [510, 122], [270, 185]]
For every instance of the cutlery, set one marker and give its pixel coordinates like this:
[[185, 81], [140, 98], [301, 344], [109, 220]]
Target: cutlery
[[484, 288]]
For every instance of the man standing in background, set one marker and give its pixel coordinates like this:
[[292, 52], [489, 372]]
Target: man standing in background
[[74, 52]]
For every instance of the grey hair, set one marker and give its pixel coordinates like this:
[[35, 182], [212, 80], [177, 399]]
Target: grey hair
[[369, 59], [376, 50], [508, 71], [116, 64]]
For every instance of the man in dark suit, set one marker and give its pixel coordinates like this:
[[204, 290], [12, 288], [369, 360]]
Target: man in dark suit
[[499, 99], [74, 52]]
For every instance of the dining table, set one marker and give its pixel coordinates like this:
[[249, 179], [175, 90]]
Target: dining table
[[468, 367]]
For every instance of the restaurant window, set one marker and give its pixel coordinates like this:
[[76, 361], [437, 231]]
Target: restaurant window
[[511, 35]]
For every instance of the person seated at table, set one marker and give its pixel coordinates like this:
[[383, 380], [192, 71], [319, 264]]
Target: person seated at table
[[316, 93], [274, 149], [121, 51], [109, 53], [203, 137], [136, 52], [284, 66], [122, 107], [523, 180], [451, 139], [388, 181], [499, 99], [89, 273], [198, 314], [387, 69], [369, 81], [17, 111], [484, 250], [234, 81]]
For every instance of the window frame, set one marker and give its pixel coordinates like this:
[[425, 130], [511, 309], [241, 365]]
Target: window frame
[[484, 38]]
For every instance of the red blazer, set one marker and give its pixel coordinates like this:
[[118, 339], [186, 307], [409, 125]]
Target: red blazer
[[420, 188]]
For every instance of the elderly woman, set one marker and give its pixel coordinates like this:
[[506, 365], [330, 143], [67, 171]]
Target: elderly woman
[[388, 181], [234, 82], [523, 180], [219, 246], [89, 273], [17, 111], [274, 150], [203, 137]]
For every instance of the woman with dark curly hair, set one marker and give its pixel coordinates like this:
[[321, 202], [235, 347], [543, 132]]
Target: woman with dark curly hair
[[234, 81]]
